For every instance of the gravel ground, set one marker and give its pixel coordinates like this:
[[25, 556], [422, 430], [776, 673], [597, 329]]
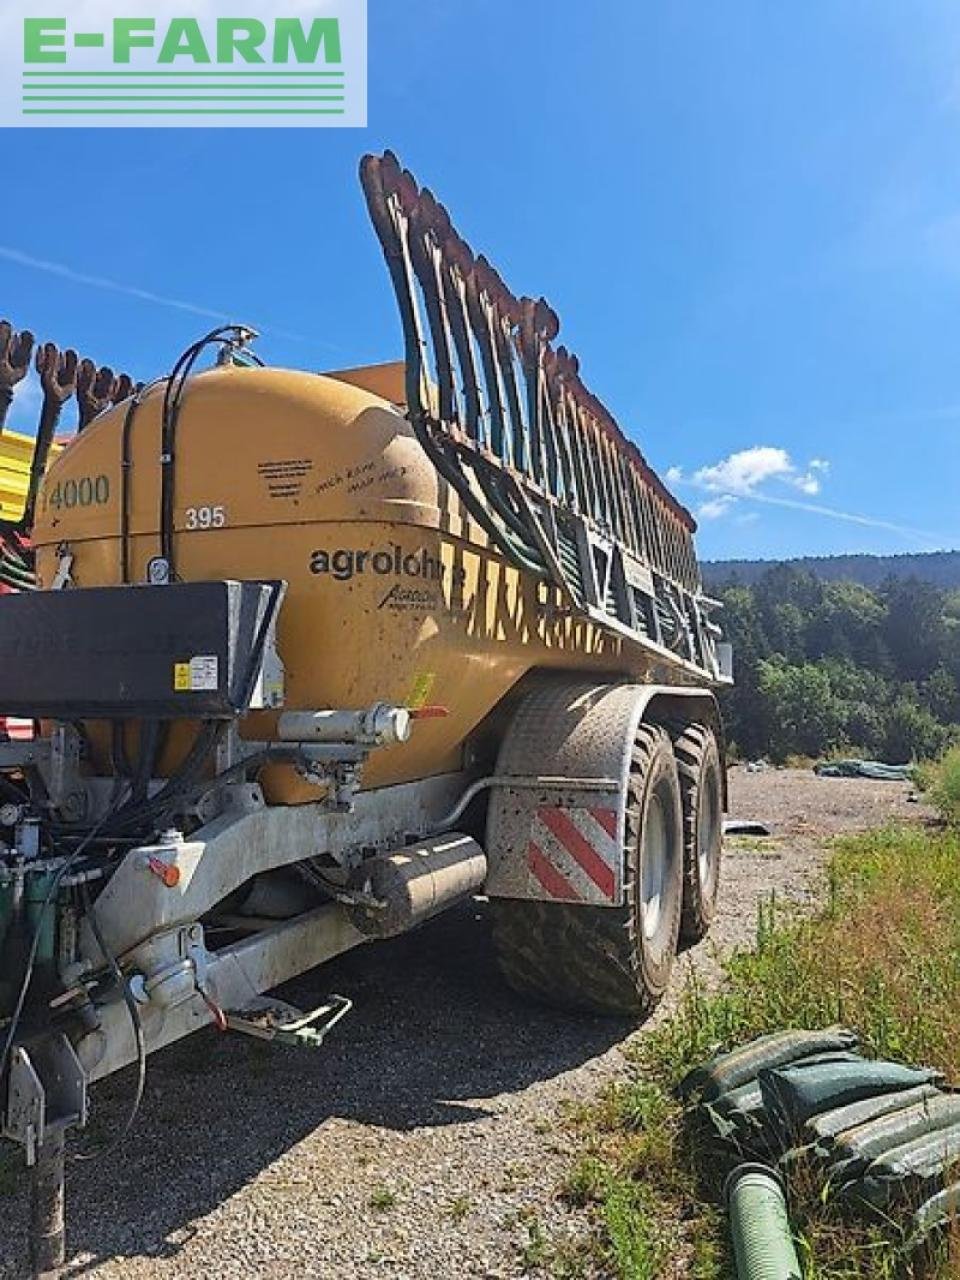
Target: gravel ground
[[423, 1140]]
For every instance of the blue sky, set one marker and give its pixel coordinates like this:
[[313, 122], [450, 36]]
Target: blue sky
[[746, 214]]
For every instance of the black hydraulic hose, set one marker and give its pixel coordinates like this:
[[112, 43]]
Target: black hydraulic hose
[[119, 756], [225, 336], [126, 466], [131, 814], [149, 740], [176, 786]]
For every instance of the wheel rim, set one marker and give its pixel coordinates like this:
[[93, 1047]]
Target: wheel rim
[[708, 834], [654, 861]]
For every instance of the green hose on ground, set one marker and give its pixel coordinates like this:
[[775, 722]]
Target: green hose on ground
[[762, 1240]]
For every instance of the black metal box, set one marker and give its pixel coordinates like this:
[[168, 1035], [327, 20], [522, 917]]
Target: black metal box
[[191, 649]]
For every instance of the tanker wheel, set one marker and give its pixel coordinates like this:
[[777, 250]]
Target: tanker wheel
[[609, 960], [701, 788]]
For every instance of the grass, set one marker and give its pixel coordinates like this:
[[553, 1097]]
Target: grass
[[881, 956], [941, 782], [382, 1199], [459, 1208], [762, 846]]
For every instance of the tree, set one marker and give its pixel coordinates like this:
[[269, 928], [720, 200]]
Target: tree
[[941, 695], [848, 624], [803, 715], [914, 628], [824, 666], [913, 733]]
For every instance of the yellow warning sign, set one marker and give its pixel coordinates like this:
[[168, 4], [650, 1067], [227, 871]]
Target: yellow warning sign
[[422, 688], [181, 677]]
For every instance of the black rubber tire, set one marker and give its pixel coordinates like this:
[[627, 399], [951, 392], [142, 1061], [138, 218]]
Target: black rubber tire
[[599, 959], [701, 789]]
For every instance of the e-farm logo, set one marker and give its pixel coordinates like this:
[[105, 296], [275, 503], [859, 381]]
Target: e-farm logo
[[288, 62]]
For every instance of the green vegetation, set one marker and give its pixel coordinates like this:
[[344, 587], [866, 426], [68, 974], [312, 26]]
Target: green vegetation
[[941, 782], [832, 667], [382, 1199], [459, 1208], [651, 1199]]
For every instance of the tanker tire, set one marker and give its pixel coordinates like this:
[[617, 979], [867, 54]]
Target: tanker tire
[[602, 959], [701, 788]]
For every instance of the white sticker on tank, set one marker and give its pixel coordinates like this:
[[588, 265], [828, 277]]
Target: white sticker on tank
[[204, 673]]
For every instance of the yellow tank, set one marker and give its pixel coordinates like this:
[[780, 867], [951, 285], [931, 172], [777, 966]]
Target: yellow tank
[[395, 593]]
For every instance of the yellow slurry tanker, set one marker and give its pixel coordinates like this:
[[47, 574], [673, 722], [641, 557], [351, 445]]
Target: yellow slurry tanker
[[314, 658]]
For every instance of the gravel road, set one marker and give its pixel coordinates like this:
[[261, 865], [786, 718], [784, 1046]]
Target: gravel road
[[423, 1140]]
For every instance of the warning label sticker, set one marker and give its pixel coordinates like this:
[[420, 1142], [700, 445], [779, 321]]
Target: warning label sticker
[[199, 675], [204, 673], [422, 688]]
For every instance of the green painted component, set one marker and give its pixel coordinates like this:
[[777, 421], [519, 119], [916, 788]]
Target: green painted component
[[35, 893], [763, 1245]]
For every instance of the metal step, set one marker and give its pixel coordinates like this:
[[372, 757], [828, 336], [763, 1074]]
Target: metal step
[[267, 1018]]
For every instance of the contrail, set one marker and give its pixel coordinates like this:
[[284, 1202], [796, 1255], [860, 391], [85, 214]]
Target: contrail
[[101, 282], [935, 540], [142, 295]]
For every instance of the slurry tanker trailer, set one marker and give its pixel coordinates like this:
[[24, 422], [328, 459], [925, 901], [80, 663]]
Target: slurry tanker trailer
[[312, 659]]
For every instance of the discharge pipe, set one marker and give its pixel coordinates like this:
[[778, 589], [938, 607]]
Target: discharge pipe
[[763, 1247], [375, 726]]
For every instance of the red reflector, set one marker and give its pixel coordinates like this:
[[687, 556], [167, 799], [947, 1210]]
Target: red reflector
[[168, 872]]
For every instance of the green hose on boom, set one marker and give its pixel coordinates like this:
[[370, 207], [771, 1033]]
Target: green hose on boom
[[762, 1240]]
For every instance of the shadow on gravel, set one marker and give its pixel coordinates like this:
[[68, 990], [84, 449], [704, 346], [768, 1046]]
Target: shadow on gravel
[[433, 1034]]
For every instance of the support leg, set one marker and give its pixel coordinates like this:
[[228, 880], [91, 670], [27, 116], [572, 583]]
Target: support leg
[[47, 1234]]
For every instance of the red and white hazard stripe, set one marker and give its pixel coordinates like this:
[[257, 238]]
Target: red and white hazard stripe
[[18, 730], [574, 854]]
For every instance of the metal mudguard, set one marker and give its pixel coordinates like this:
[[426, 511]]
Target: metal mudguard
[[567, 845]]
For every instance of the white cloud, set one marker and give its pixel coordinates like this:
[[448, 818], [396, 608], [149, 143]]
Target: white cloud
[[742, 472], [811, 480], [674, 475], [755, 475], [808, 484], [714, 508]]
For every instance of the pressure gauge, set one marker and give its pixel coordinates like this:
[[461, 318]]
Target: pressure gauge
[[158, 572], [10, 814]]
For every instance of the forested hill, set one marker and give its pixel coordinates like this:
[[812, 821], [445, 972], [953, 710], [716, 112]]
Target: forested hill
[[823, 667], [940, 568]]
